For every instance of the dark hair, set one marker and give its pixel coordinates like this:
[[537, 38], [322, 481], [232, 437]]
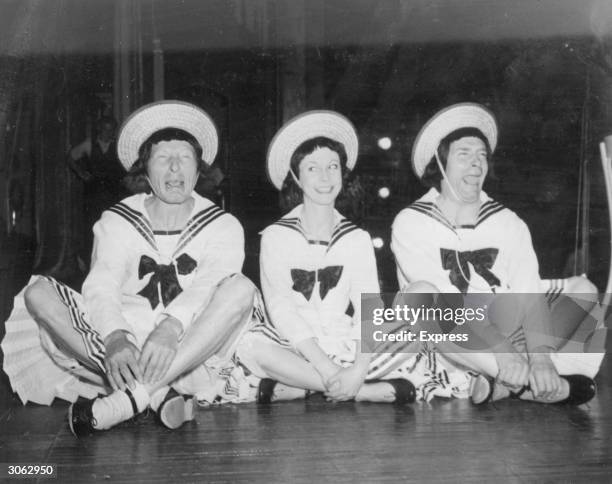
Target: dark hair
[[291, 194], [432, 176], [136, 180]]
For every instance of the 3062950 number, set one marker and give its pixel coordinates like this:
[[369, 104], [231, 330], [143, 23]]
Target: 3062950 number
[[27, 470]]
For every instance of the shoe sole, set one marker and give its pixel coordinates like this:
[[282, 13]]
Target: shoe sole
[[488, 396], [176, 411], [70, 420]]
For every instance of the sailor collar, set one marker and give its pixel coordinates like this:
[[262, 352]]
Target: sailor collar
[[293, 221], [427, 206]]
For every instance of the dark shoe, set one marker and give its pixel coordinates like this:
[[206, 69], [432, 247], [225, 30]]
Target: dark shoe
[[176, 409], [404, 390], [582, 389], [482, 390], [80, 418], [265, 390]]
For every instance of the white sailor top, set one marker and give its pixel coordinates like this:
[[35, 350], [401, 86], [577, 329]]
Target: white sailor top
[[137, 276], [312, 289], [496, 254]]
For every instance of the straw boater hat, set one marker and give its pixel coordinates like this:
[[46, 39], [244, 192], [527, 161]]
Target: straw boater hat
[[444, 122], [303, 127], [150, 118]]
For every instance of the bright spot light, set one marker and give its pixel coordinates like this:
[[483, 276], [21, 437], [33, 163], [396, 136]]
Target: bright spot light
[[384, 192], [377, 242], [384, 143]]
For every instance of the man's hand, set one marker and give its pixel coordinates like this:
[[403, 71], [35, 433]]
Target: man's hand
[[159, 350], [345, 384], [544, 380], [513, 369], [121, 361]]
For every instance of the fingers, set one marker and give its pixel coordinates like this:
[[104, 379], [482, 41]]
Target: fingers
[[114, 377], [155, 362], [164, 365], [545, 384], [515, 375], [122, 370], [126, 371]]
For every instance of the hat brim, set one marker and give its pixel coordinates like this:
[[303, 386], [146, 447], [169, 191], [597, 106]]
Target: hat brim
[[308, 125], [153, 117], [444, 122]]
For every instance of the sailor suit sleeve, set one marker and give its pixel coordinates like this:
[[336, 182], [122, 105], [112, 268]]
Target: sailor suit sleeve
[[364, 278], [276, 284], [223, 255], [110, 266], [524, 271], [417, 259], [524, 281]]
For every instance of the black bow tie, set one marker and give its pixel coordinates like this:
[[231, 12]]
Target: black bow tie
[[304, 281], [165, 275], [482, 260]]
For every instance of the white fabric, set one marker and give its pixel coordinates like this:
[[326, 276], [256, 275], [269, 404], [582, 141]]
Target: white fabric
[[420, 231], [111, 289], [417, 238], [297, 318]]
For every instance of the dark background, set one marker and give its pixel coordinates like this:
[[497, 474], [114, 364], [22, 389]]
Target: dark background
[[544, 68]]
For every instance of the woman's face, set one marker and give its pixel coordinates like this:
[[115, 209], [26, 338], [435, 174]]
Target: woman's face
[[466, 169], [320, 176], [172, 171]]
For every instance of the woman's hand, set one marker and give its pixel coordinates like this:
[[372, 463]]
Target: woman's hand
[[121, 361], [159, 350], [544, 380], [513, 369], [345, 384], [327, 369]]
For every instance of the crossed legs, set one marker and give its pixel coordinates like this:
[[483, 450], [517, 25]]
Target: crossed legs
[[214, 331]]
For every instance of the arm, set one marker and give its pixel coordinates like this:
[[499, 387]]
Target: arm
[[223, 256], [364, 279], [276, 283], [345, 384], [524, 280], [416, 252], [537, 323], [102, 292]]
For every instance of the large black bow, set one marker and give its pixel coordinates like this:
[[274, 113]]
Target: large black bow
[[304, 281], [482, 260], [165, 275]]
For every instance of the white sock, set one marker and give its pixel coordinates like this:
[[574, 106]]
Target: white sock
[[117, 407], [285, 392]]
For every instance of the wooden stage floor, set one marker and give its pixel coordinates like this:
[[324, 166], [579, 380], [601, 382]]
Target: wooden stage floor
[[313, 441]]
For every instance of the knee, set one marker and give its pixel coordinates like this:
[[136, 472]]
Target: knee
[[580, 285], [240, 288], [36, 297], [416, 294], [580, 288], [238, 292], [421, 287]]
